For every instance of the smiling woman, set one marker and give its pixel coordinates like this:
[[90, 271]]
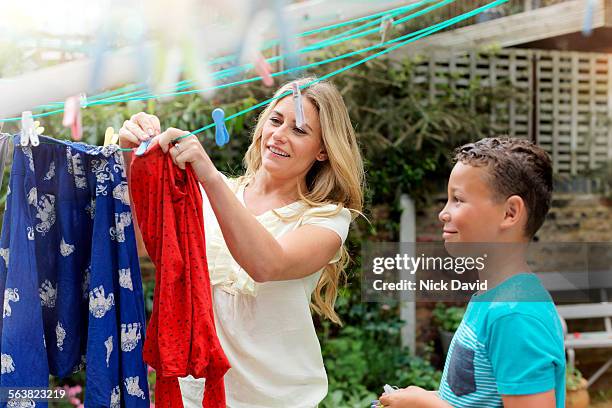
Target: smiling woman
[[274, 242]]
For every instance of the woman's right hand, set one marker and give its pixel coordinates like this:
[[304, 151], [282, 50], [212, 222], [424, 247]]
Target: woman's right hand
[[137, 129]]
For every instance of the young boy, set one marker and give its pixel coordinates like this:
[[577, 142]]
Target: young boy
[[506, 352]]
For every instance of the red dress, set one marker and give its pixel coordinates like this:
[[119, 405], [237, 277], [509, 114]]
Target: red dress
[[181, 338]]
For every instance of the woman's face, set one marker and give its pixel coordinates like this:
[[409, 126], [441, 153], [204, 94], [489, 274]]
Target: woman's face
[[288, 151]]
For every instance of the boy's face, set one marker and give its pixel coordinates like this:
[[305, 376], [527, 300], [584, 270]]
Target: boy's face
[[471, 213]]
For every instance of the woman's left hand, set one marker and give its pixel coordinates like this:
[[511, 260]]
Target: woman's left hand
[[187, 150]]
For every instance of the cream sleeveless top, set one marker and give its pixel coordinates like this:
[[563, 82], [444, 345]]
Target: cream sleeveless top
[[266, 329]]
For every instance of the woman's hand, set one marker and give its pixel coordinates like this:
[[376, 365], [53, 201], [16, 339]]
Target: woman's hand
[[188, 150], [138, 128]]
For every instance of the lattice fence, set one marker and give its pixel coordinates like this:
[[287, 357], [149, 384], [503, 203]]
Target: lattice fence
[[562, 100]]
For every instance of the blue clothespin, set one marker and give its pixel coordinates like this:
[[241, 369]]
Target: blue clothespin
[[142, 148], [587, 28], [221, 133], [300, 119]]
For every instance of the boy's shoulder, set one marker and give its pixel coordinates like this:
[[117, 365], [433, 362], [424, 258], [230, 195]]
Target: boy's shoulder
[[521, 297]]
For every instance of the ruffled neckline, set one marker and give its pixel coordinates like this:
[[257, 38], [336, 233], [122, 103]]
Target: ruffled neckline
[[285, 211]]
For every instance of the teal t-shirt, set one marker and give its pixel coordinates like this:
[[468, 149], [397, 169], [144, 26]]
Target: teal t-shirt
[[510, 342]]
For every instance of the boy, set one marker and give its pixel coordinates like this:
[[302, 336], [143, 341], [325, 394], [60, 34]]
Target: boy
[[507, 352]]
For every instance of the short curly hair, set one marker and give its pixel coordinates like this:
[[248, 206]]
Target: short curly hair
[[516, 167]]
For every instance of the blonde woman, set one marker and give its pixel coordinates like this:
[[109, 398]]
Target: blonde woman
[[274, 243]]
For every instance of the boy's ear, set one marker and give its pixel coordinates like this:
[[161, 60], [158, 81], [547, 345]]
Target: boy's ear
[[515, 213]]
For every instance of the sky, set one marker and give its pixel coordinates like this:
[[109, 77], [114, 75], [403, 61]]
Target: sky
[[62, 17]]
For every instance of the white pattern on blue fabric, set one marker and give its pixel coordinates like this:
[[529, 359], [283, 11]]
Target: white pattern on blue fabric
[[115, 399], [65, 248], [132, 387], [75, 167], [109, 349], [98, 303], [125, 279], [21, 403], [121, 221], [50, 173], [4, 253], [121, 193], [6, 364], [60, 334], [130, 336], [10, 295], [48, 294], [45, 212]]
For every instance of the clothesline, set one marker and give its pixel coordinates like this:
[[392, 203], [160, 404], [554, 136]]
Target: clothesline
[[399, 42], [237, 69]]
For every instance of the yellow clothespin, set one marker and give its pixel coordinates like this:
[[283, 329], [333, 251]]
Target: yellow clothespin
[[110, 137]]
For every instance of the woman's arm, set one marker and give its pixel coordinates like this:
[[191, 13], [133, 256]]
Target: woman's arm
[[295, 255]]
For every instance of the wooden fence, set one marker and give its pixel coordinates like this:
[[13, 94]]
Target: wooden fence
[[562, 100], [511, 7]]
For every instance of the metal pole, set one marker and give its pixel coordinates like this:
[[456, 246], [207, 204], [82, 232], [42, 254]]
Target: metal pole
[[407, 299]]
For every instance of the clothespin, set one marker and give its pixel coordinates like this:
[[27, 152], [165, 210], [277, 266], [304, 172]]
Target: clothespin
[[389, 389], [386, 25], [142, 149], [110, 137], [221, 133], [30, 130], [300, 119], [253, 36], [263, 69], [587, 28], [72, 115], [286, 34]]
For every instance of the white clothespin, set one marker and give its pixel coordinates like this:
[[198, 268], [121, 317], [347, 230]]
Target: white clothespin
[[300, 119], [389, 389], [386, 24], [30, 130]]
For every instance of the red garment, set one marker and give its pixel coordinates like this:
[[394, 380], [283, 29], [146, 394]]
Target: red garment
[[181, 337]]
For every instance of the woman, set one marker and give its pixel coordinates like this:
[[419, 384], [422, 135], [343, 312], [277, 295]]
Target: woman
[[274, 241]]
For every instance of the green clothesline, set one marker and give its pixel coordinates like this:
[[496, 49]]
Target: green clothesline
[[401, 41], [234, 70], [109, 101], [439, 27]]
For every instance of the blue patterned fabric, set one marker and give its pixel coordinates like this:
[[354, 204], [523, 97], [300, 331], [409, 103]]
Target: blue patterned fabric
[[69, 275]]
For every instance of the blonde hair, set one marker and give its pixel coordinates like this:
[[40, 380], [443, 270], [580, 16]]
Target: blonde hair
[[338, 180]]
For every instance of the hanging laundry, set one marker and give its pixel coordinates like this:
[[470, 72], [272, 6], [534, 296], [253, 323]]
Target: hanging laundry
[[69, 275], [181, 337]]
